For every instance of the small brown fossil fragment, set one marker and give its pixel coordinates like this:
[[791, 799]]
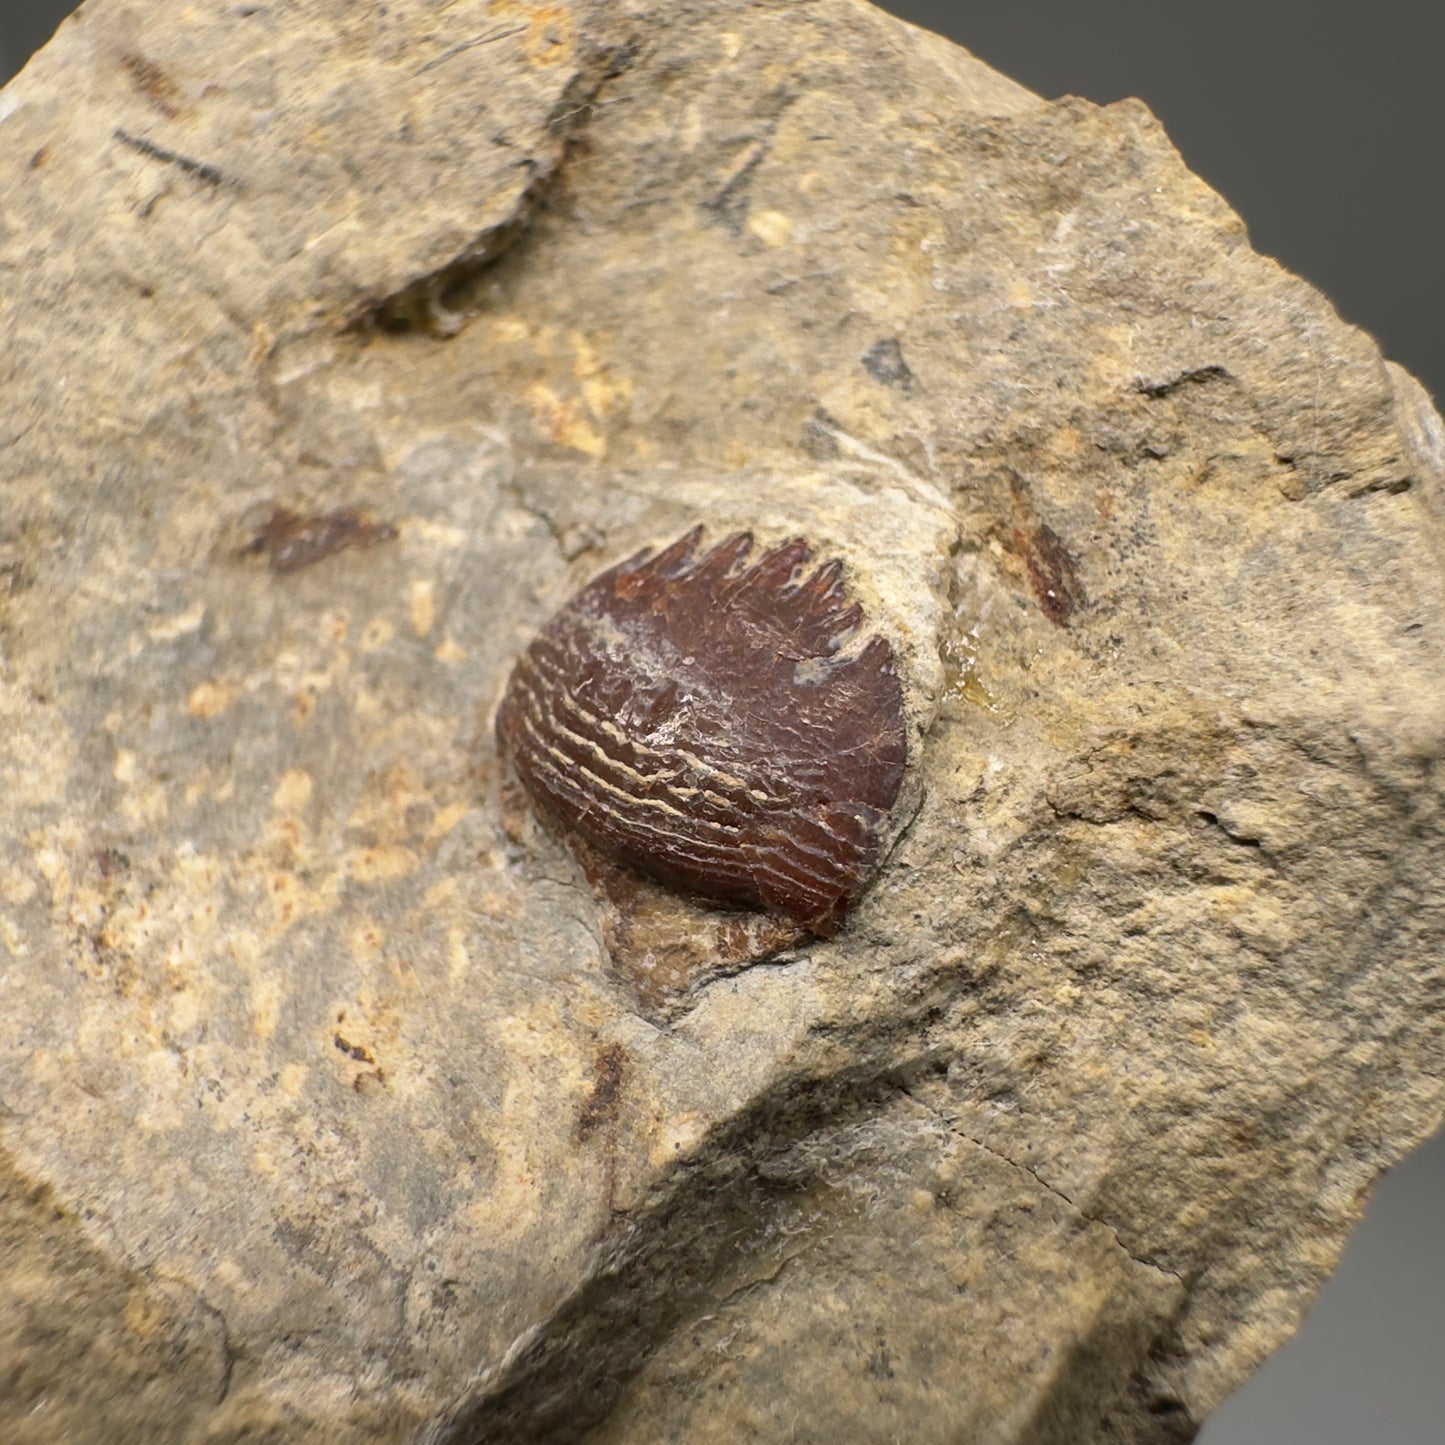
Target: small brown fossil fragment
[[291, 540], [717, 723]]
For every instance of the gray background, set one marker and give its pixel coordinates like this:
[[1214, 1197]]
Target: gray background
[[1322, 123]]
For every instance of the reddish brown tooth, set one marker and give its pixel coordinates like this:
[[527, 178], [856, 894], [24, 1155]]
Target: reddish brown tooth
[[759, 783]]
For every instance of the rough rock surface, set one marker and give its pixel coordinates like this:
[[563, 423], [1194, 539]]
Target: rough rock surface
[[340, 343]]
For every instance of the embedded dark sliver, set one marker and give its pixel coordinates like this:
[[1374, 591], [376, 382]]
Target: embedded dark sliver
[[359, 1052], [201, 170], [1197, 376], [604, 1100], [1051, 572], [290, 541], [884, 362], [149, 80], [701, 717]]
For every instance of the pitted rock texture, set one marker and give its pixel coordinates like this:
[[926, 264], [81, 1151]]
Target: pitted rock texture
[[342, 344]]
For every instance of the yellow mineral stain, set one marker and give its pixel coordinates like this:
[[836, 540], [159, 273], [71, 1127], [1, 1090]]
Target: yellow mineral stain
[[161, 1077], [1021, 295], [600, 389], [199, 787], [914, 234], [291, 675], [233, 1275], [812, 184], [291, 1079], [293, 792], [167, 629], [10, 937], [731, 42], [45, 1068], [1323, 1253], [514, 1204], [450, 652], [286, 839], [442, 894], [435, 534], [183, 1013], [690, 132], [677, 1138], [551, 38], [334, 624], [203, 911], [525, 1163], [146, 806], [458, 960], [497, 900], [123, 768], [367, 939], [738, 455], [16, 886], [510, 330], [1067, 441], [210, 700], [52, 852], [560, 421], [393, 789], [447, 818], [377, 633], [404, 973], [265, 1006], [421, 603], [143, 1313], [772, 228], [381, 864], [246, 950], [744, 157], [1112, 363], [261, 343], [305, 688], [287, 899], [963, 1272]]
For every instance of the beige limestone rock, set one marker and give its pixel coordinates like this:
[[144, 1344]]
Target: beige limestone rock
[[340, 343]]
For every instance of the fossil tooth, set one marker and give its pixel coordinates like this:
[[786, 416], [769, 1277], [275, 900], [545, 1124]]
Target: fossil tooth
[[705, 722]]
